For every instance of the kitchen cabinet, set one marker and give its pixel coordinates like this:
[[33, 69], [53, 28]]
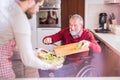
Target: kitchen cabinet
[[70, 7], [111, 62], [18, 68], [110, 44], [48, 22]]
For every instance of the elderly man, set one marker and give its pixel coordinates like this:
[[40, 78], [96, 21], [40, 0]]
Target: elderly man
[[74, 33]]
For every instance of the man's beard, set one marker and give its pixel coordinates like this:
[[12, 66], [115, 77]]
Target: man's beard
[[28, 14], [74, 33]]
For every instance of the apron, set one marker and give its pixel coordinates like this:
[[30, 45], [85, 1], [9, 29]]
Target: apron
[[6, 70]]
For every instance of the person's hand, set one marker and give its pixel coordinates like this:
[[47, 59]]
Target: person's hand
[[47, 40], [56, 66], [86, 43]]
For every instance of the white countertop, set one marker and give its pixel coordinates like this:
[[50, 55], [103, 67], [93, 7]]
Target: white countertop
[[109, 39], [70, 78]]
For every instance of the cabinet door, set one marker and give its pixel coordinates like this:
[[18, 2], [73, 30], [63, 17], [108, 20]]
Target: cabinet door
[[18, 68], [111, 60], [31, 72], [70, 7], [18, 65]]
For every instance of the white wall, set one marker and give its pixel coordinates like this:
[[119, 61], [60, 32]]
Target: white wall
[[94, 7], [94, 1]]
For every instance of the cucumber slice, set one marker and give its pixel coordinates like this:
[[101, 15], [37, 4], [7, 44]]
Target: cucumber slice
[[79, 45]]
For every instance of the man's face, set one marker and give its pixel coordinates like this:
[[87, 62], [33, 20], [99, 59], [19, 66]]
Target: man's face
[[33, 9], [74, 26]]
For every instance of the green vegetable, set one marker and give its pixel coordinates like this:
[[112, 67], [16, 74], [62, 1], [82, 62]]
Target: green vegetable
[[49, 57], [79, 45]]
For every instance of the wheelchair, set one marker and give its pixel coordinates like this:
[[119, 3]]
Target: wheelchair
[[87, 69]]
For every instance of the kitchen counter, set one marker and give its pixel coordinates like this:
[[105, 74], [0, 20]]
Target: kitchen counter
[[109, 39], [110, 44], [71, 78]]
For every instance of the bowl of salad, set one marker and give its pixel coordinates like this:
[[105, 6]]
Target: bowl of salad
[[49, 57]]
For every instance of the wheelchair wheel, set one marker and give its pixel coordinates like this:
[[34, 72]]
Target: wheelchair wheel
[[88, 71]]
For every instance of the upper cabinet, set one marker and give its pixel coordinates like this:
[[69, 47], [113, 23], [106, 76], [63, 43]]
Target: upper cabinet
[[112, 1], [70, 7], [51, 4]]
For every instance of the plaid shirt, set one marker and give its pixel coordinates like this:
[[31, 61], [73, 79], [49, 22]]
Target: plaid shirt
[[6, 70]]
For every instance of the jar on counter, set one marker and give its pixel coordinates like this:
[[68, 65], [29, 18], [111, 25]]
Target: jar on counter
[[115, 29]]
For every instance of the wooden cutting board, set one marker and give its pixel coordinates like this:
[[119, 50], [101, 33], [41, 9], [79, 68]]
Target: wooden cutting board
[[68, 49]]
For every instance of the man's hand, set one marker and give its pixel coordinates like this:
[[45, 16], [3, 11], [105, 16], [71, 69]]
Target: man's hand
[[86, 43], [47, 40], [56, 66]]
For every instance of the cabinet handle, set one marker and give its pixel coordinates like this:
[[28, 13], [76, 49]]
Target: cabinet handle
[[47, 29]]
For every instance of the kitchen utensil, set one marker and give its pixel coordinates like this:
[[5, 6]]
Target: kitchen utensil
[[102, 19], [54, 44], [113, 16], [114, 22], [68, 49], [112, 19]]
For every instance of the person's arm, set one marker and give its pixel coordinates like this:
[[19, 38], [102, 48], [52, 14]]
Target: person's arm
[[54, 37], [22, 33], [94, 46], [91, 42], [28, 55], [26, 52]]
